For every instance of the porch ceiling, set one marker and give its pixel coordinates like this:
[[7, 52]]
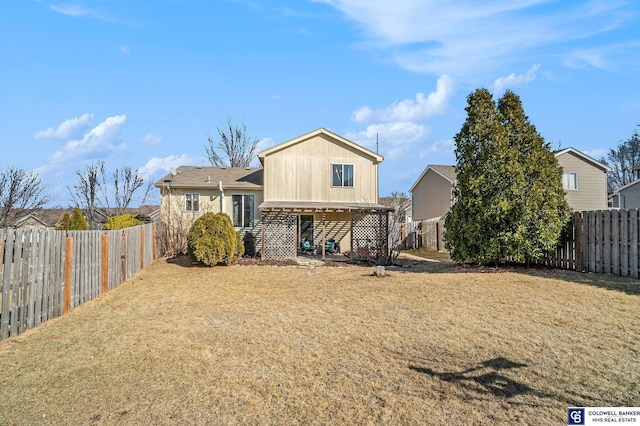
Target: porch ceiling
[[320, 206]]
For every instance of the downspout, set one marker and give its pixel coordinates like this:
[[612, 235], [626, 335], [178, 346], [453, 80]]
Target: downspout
[[221, 196]]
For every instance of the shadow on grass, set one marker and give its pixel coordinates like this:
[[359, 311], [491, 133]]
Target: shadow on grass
[[486, 377]]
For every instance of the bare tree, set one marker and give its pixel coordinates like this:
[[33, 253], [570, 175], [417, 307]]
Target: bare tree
[[93, 190], [127, 186], [234, 149], [399, 202], [85, 192], [20, 192], [623, 160]]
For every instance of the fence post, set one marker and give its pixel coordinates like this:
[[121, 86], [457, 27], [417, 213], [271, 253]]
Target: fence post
[[104, 267], [68, 266]]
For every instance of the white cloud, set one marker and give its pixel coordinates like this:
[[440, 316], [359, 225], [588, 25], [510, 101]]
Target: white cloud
[[151, 139], [464, 38], [394, 139], [410, 110], [165, 164], [124, 49], [78, 11], [68, 129], [100, 140], [265, 143], [596, 153], [513, 80]]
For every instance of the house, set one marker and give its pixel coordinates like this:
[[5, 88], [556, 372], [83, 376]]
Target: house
[[627, 196], [584, 180], [432, 193], [318, 187], [188, 192], [50, 218]]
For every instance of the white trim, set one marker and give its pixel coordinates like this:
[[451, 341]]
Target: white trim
[[353, 184], [583, 156], [432, 167]]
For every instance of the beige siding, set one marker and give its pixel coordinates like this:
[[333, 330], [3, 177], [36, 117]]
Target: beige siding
[[592, 183], [431, 197], [172, 206], [302, 172]]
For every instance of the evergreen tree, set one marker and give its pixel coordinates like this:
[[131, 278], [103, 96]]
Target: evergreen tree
[[64, 222], [509, 200], [77, 221]]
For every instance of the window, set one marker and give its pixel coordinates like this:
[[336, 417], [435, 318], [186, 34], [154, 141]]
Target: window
[[192, 202], [570, 180], [342, 175], [243, 208]]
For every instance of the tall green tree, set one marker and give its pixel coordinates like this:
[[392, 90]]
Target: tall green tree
[[509, 201]]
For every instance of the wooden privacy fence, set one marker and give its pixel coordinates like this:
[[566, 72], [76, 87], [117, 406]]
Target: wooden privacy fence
[[602, 241], [46, 273], [426, 233]]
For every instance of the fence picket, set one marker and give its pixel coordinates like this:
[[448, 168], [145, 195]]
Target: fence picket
[[32, 271], [603, 241]]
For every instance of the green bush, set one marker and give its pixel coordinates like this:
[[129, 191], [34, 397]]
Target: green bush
[[122, 221], [74, 223], [212, 240]]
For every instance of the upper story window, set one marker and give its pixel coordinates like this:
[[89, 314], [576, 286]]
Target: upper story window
[[192, 202], [243, 210], [570, 181], [342, 175]]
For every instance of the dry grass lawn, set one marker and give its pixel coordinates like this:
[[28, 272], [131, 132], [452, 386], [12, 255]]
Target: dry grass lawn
[[429, 344]]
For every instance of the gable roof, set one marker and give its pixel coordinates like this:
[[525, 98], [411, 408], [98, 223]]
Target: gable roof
[[623, 187], [584, 157], [210, 177], [377, 158], [447, 172]]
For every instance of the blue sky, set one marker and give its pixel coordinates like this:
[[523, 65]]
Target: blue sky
[[141, 83]]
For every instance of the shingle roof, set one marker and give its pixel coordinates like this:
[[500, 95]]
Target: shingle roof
[[209, 177]]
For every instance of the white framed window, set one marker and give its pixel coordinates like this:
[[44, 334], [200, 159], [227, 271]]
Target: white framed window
[[243, 210], [192, 202], [342, 175], [570, 181]]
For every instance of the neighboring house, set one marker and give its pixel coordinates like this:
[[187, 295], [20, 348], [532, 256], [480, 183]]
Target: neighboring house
[[584, 180], [50, 218], [37, 218], [627, 196], [431, 194], [316, 187]]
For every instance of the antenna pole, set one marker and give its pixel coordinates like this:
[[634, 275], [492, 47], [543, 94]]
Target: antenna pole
[[377, 144]]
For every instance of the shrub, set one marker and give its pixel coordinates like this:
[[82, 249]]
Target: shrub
[[212, 240], [74, 223], [121, 221]]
